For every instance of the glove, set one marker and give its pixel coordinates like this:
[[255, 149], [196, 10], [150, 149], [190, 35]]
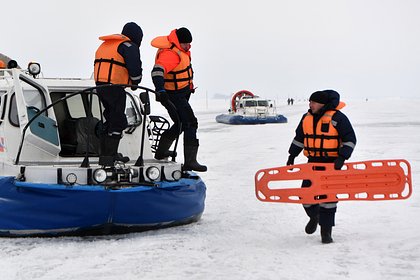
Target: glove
[[135, 84], [161, 96], [192, 88], [290, 160], [338, 163]]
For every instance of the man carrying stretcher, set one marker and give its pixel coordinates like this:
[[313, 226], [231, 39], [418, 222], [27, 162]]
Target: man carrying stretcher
[[325, 135]]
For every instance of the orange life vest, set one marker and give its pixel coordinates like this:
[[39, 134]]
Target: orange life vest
[[109, 64], [324, 141], [182, 75]]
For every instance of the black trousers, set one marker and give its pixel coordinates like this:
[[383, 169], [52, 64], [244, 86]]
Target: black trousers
[[181, 108], [326, 211], [113, 100]]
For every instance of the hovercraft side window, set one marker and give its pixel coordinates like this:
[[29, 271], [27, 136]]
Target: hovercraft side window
[[3, 95], [34, 100], [13, 113], [78, 106], [34, 96]]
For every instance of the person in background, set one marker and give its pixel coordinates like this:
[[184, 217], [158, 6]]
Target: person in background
[[117, 61], [172, 76], [325, 135]]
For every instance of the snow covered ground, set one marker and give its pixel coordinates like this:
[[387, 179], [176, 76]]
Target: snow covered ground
[[240, 237]]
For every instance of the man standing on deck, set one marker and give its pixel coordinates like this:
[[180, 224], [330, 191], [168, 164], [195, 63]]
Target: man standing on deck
[[172, 76], [117, 61]]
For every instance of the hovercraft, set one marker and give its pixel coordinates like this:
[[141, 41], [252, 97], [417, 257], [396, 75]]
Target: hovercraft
[[51, 183], [247, 108]]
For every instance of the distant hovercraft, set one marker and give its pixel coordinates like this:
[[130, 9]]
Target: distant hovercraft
[[247, 108]]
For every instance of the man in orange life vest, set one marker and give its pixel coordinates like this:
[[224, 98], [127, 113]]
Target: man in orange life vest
[[324, 134], [172, 76], [117, 61]]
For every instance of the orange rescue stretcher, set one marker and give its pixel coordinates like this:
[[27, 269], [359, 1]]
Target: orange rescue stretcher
[[365, 180]]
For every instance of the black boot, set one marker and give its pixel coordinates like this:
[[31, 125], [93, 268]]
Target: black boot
[[121, 158], [327, 221], [106, 157], [313, 213], [326, 234], [312, 224], [114, 142], [190, 157], [163, 148], [109, 151]]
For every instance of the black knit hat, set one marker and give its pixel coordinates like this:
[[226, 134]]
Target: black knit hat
[[134, 32], [184, 35], [319, 97]]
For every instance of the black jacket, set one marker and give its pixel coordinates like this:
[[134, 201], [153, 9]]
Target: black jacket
[[130, 51], [340, 122]]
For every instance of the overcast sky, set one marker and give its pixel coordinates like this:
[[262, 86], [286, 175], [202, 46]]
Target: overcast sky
[[276, 49]]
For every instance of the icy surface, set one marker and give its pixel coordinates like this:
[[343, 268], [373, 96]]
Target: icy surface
[[240, 237]]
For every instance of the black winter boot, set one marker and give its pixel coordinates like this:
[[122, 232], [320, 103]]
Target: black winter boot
[[190, 157], [313, 213], [109, 151], [163, 148], [114, 142], [106, 157], [106, 160], [312, 224], [121, 158], [326, 234]]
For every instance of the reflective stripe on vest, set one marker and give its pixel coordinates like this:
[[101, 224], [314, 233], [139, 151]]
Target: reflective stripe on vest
[[109, 64], [182, 75], [324, 141]]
